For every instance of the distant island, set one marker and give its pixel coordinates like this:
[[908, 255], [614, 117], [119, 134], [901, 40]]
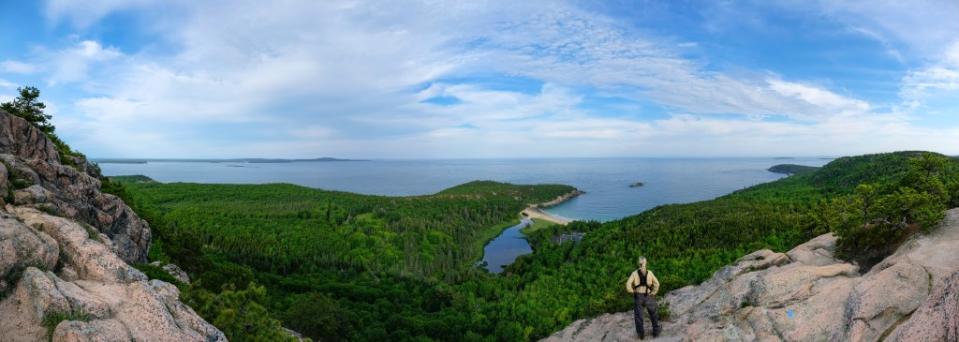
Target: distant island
[[234, 160], [792, 169], [636, 185]]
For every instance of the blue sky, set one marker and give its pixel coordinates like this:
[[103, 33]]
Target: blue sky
[[428, 79]]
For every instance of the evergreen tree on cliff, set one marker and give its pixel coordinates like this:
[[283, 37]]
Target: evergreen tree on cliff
[[28, 106]]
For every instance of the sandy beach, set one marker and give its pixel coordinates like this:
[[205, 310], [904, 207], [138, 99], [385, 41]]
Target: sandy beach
[[536, 211]]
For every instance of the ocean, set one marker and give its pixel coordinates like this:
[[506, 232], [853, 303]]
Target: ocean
[[606, 181]]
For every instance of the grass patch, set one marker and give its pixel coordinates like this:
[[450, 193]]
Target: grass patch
[[537, 226], [53, 319], [92, 233]]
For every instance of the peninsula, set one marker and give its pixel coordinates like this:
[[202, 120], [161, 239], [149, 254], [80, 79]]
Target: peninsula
[[536, 212]]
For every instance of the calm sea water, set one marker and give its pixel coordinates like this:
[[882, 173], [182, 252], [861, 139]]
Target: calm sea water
[[605, 181]]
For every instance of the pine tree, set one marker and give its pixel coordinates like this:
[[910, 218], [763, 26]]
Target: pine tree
[[28, 106]]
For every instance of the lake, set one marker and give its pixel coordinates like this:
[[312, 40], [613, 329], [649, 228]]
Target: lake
[[509, 245]]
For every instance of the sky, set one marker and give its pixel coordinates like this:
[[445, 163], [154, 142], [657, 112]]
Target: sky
[[488, 79]]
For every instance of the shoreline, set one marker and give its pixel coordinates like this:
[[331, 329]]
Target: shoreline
[[535, 211]]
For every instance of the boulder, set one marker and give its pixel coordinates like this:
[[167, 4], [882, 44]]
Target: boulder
[[83, 248], [94, 311], [22, 246], [65, 270], [20, 138], [174, 271], [818, 251]]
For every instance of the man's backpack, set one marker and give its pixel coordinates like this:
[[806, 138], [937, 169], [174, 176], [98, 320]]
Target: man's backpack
[[642, 280]]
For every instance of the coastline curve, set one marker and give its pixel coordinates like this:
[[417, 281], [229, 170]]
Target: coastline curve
[[535, 211]]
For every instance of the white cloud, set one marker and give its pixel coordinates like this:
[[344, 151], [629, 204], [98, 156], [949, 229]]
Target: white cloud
[[920, 34], [347, 77], [312, 132], [576, 48], [889, 47], [17, 67], [923, 26], [72, 64], [4, 84], [920, 83], [824, 99], [952, 54], [938, 80]]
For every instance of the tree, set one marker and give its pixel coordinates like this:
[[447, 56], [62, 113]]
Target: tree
[[873, 223], [28, 106], [240, 314], [318, 315]]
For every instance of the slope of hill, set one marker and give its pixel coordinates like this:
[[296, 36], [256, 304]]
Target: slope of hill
[[336, 266]]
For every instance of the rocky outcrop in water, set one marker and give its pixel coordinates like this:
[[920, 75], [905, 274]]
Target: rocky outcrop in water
[[808, 295], [65, 254]]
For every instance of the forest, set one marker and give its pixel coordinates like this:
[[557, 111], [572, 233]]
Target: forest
[[367, 262], [340, 266]]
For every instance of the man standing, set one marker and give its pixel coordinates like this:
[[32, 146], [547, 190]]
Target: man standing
[[644, 285]]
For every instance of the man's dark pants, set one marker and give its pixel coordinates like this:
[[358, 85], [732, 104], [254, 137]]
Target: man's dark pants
[[649, 303]]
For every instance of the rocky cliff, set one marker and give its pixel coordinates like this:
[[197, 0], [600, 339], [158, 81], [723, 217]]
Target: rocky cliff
[[65, 254], [808, 295]]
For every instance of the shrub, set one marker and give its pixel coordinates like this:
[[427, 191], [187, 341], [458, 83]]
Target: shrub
[[872, 222], [52, 319], [316, 314], [240, 314]]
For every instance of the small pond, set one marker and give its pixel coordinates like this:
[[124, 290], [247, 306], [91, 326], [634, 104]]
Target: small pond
[[506, 247]]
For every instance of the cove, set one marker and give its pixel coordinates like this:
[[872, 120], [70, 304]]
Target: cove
[[505, 248]]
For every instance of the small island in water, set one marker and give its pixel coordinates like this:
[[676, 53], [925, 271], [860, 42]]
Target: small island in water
[[792, 169]]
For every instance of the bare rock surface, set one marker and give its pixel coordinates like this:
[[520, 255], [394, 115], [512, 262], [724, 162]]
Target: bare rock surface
[[174, 271], [807, 294], [65, 254], [34, 176], [937, 319], [20, 138], [95, 294]]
